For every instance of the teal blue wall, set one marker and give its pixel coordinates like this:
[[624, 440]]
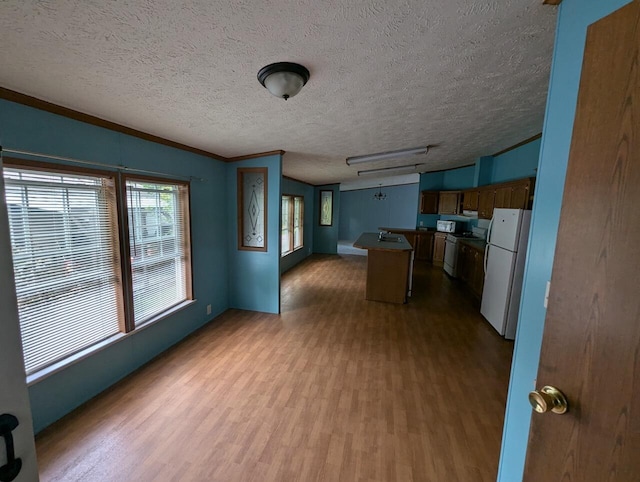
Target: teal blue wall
[[325, 238], [518, 163], [574, 17], [360, 212], [26, 128], [254, 276], [461, 178], [289, 186]]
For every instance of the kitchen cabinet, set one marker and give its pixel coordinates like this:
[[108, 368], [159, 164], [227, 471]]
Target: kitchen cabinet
[[449, 202], [438, 248], [424, 246], [486, 202], [522, 194], [429, 202], [471, 267], [470, 200], [503, 197]]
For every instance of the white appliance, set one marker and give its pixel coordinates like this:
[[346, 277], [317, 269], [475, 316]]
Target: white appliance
[[504, 269], [451, 255], [446, 226], [451, 249]]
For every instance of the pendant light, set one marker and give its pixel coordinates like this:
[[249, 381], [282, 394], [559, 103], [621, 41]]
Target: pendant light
[[283, 79], [380, 196]]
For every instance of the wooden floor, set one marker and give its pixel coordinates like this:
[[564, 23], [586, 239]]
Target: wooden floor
[[336, 388]]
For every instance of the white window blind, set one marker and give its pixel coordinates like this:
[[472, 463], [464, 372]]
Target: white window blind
[[285, 233], [159, 245], [66, 261], [298, 221]]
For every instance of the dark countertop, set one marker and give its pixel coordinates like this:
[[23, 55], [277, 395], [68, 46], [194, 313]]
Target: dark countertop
[[408, 230], [479, 244], [370, 241]]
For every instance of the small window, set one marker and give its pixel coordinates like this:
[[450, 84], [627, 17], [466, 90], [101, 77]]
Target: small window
[[292, 234], [159, 246]]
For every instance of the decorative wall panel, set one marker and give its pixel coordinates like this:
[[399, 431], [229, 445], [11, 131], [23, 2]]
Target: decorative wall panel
[[252, 211]]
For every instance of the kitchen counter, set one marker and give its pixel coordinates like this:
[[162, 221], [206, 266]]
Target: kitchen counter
[[479, 244], [388, 267], [408, 230], [371, 241]]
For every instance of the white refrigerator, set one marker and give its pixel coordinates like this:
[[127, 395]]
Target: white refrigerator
[[504, 269]]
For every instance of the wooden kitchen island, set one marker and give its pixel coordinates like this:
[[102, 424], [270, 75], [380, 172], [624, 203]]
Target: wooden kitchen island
[[389, 267]]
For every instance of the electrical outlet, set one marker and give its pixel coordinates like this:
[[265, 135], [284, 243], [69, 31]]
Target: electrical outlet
[[421, 223], [208, 309]]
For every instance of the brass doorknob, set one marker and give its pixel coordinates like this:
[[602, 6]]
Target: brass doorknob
[[548, 399]]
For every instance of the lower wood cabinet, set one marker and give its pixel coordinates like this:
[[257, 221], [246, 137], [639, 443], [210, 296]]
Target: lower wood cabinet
[[471, 267], [438, 248], [424, 246]]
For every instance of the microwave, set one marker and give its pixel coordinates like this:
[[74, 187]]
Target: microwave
[[446, 226]]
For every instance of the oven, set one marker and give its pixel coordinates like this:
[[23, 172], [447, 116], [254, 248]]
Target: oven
[[451, 255]]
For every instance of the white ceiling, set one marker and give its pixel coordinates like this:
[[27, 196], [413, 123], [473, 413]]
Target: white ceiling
[[468, 76]]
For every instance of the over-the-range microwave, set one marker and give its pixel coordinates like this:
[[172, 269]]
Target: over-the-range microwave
[[446, 226]]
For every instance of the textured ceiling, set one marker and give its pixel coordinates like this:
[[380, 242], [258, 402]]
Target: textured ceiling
[[468, 76]]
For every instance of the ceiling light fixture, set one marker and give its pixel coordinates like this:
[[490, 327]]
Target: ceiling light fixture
[[381, 156], [380, 196], [385, 170], [283, 79]]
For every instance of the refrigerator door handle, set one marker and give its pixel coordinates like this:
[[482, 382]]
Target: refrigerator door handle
[[486, 257], [489, 229]]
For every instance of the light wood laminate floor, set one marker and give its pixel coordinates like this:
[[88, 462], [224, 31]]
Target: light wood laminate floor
[[336, 388]]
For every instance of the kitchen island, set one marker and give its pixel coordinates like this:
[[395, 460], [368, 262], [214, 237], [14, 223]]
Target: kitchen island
[[389, 266]]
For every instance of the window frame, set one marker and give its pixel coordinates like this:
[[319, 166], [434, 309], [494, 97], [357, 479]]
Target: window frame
[[291, 224], [119, 218]]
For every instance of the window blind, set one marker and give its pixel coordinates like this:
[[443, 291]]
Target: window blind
[[298, 221], [66, 261], [159, 246]]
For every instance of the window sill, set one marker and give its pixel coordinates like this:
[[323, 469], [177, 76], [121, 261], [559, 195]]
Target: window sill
[[284, 255], [93, 349]]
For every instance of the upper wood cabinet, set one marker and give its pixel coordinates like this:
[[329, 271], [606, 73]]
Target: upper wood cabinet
[[512, 195], [449, 202], [470, 200], [429, 202], [522, 194], [503, 197], [485, 203]]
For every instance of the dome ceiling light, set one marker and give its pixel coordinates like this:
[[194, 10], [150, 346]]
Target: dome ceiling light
[[283, 79]]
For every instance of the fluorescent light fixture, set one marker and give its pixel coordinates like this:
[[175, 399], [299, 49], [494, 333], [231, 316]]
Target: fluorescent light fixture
[[381, 156], [385, 170]]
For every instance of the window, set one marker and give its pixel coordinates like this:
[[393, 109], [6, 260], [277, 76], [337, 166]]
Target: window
[[159, 246], [66, 246], [292, 223]]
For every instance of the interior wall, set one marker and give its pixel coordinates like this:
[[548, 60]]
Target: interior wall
[[360, 212], [517, 163], [290, 186], [574, 18], [254, 276], [26, 128], [325, 238]]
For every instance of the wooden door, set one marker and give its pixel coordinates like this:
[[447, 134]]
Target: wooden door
[[591, 342]]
